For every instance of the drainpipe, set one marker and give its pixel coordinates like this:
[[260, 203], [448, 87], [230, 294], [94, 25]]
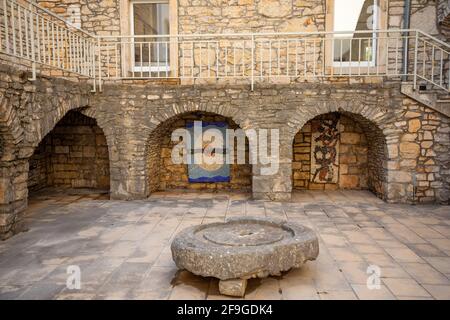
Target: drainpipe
[[406, 25]]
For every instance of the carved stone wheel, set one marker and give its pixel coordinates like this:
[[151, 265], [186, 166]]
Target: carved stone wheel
[[243, 248]]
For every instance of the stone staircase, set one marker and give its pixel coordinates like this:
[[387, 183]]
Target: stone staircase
[[443, 13], [430, 97]]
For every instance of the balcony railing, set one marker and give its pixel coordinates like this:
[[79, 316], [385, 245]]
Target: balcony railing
[[33, 34], [38, 36], [276, 56]]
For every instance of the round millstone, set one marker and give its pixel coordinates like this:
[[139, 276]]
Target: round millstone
[[244, 248]]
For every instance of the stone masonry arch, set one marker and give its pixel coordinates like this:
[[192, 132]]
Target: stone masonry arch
[[74, 155], [376, 122], [135, 111], [174, 111], [133, 117], [160, 167], [360, 149], [28, 111]]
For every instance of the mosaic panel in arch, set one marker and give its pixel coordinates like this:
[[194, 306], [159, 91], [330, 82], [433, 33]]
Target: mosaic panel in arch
[[325, 150], [204, 172]]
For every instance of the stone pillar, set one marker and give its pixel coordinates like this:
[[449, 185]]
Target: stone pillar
[[278, 186], [13, 195], [128, 170]]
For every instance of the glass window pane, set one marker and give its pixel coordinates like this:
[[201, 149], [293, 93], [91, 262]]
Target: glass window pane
[[151, 19], [353, 15]]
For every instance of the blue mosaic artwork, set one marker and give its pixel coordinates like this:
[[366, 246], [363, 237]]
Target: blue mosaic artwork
[[204, 173]]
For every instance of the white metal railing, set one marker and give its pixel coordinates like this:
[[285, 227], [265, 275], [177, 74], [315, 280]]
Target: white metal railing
[[292, 56], [431, 63], [41, 37]]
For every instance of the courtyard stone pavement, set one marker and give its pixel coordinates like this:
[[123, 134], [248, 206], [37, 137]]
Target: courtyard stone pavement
[[123, 248]]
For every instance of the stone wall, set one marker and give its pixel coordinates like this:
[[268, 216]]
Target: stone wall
[[422, 152], [408, 143], [353, 148], [216, 16], [167, 175], [100, 17], [204, 16], [73, 155], [382, 111]]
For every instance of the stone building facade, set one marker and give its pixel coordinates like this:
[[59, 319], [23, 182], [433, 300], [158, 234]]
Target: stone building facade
[[55, 132]]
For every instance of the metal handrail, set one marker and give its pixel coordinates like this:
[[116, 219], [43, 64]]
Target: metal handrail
[[40, 37], [208, 56], [57, 17], [249, 34]]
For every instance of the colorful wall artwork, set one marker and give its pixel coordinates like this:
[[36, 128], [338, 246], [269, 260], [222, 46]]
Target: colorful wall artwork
[[325, 151], [204, 172]]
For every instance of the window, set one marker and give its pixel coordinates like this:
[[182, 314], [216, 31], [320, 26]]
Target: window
[[151, 54], [355, 48]]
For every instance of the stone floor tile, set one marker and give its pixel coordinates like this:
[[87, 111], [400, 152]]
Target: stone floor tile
[[381, 260], [165, 258], [441, 244], [332, 240], [403, 255], [425, 274], [364, 293], [42, 291], [75, 296], [414, 298], [442, 264], [394, 271], [405, 287], [157, 279], [358, 237], [440, 292], [295, 288], [368, 248], [355, 272], [330, 279], [11, 292], [188, 291], [426, 250], [338, 295], [405, 234], [127, 275], [121, 249], [345, 254], [263, 289], [442, 229]]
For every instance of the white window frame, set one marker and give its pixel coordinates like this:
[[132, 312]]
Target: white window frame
[[376, 26], [160, 69]]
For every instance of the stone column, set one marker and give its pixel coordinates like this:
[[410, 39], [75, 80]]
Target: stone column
[[13, 195], [128, 170], [278, 186]]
